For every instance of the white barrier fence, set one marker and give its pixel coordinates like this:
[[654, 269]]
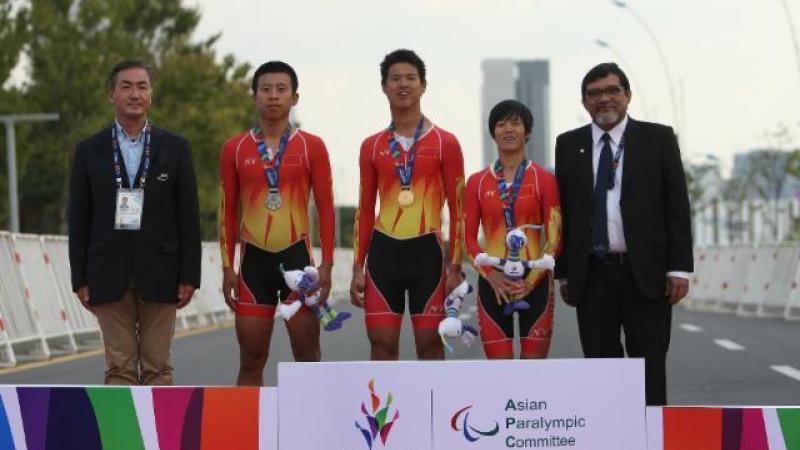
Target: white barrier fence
[[762, 281], [41, 317]]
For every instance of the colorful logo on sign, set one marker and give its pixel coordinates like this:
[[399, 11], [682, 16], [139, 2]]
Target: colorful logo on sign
[[378, 427], [471, 433]]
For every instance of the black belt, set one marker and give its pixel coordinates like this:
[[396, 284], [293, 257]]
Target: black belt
[[613, 259]]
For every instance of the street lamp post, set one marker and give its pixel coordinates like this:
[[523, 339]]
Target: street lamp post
[[640, 95], [11, 145], [667, 72], [793, 33]]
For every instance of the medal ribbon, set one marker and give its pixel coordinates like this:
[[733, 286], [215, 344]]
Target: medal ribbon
[[118, 156], [272, 165], [405, 171], [509, 196]]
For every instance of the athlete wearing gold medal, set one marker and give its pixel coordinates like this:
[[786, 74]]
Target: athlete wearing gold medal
[[413, 166]]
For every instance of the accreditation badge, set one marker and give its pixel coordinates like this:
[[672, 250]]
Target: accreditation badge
[[130, 203]]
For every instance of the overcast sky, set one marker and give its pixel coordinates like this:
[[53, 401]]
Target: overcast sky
[[732, 62]]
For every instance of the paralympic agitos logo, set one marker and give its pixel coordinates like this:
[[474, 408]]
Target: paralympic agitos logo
[[471, 434]]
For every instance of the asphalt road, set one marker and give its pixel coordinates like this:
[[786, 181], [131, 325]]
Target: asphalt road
[[715, 359]]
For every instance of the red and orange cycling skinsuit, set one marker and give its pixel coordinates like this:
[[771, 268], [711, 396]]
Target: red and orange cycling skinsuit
[[305, 168], [438, 175], [537, 204]]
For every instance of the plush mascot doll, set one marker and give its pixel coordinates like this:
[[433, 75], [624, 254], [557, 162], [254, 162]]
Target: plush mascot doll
[[306, 283], [452, 326], [514, 267]]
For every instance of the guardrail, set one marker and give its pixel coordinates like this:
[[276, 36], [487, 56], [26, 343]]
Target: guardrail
[[750, 281], [40, 317]]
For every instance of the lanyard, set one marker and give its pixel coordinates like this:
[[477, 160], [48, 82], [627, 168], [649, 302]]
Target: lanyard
[[509, 196], [271, 166], [612, 174], [118, 156], [405, 171]]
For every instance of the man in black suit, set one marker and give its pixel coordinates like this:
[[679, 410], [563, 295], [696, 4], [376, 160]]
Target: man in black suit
[[134, 232], [627, 250]]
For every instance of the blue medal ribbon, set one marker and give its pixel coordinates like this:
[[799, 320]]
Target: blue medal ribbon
[[405, 171], [612, 174], [273, 165], [509, 196], [118, 156]]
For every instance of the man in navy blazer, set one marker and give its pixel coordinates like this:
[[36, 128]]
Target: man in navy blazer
[[134, 232], [627, 251]]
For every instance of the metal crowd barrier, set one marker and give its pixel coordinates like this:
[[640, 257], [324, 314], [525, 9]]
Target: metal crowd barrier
[[758, 281], [41, 317], [22, 335], [83, 323]]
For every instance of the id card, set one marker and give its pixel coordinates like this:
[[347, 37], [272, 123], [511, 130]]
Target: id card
[[129, 209]]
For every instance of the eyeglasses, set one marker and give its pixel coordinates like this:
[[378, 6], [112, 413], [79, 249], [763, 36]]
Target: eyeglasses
[[611, 91]]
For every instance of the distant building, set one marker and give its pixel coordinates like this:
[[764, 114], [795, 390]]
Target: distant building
[[499, 83], [527, 81], [761, 174], [758, 204]]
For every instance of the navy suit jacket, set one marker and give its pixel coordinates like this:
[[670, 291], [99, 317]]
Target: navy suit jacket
[[164, 252]]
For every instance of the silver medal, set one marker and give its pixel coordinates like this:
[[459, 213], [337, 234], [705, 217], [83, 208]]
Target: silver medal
[[274, 201]]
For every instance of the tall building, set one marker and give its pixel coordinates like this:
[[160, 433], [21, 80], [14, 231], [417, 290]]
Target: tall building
[[527, 81], [499, 83]]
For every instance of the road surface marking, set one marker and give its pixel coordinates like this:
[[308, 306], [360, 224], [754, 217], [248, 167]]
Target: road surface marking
[[727, 344], [99, 351], [691, 328], [789, 371]]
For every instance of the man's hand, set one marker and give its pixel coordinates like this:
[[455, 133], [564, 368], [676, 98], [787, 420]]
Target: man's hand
[[83, 296], [324, 270], [454, 278], [230, 288], [185, 292], [677, 288], [357, 285], [564, 288]]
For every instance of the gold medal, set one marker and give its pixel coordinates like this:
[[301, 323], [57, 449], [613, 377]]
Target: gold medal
[[405, 198]]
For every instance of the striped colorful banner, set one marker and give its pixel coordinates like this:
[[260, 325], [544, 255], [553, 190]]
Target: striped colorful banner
[[206, 418], [699, 428], [211, 418], [135, 418]]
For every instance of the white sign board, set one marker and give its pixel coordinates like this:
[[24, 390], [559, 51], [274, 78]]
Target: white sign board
[[575, 404], [354, 405]]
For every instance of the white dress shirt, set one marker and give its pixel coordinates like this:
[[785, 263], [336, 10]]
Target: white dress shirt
[[616, 235], [131, 149]]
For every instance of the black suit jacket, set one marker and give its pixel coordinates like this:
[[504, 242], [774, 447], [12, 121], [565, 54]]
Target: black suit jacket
[[165, 252], [654, 205]]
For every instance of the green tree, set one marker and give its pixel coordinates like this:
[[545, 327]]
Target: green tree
[[13, 35], [765, 176], [72, 45]]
